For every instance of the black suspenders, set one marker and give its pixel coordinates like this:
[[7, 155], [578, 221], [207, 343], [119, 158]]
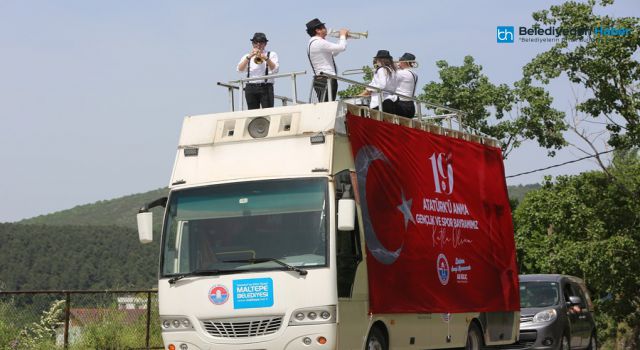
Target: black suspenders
[[335, 68], [309, 55], [266, 70], [415, 83]]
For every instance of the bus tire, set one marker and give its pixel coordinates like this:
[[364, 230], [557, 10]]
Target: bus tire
[[474, 338], [376, 340]]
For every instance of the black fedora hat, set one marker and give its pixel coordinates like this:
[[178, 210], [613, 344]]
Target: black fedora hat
[[407, 57], [259, 37], [383, 54], [314, 23]]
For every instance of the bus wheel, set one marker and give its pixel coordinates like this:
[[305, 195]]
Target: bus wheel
[[376, 340], [474, 338]]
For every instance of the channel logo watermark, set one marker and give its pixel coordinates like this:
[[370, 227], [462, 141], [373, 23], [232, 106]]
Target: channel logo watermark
[[505, 34]]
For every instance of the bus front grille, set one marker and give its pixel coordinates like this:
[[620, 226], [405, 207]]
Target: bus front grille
[[243, 327]]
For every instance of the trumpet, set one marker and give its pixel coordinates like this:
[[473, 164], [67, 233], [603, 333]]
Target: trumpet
[[258, 60], [351, 35], [413, 64], [258, 57]]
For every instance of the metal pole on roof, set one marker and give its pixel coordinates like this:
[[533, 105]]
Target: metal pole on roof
[[294, 87]]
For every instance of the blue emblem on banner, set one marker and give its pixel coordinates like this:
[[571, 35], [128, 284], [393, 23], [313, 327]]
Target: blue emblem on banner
[[443, 269]]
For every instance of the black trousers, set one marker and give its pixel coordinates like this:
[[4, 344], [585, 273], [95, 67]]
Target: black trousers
[[320, 86], [259, 94], [405, 109], [388, 106]]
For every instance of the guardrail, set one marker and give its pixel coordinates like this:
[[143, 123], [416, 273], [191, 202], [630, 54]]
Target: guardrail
[[241, 82]]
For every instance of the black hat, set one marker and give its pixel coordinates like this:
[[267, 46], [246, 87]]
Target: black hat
[[383, 54], [259, 37], [407, 57], [314, 23]]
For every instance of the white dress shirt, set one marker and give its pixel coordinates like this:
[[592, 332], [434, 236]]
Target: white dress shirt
[[407, 80], [258, 70], [384, 79], [321, 53]]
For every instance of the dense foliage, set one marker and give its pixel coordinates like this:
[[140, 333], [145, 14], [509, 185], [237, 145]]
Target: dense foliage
[[606, 67], [36, 257], [509, 114], [589, 226]]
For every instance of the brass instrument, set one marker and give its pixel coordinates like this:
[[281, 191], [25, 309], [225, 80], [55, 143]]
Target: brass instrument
[[258, 59], [413, 64], [351, 35]]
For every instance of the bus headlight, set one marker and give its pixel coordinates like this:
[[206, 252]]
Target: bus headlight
[[175, 323], [309, 315]]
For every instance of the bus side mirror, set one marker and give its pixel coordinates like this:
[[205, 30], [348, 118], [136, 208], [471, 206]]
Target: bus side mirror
[[145, 227], [346, 214], [145, 220]]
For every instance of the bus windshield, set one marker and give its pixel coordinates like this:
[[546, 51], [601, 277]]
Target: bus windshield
[[239, 226]]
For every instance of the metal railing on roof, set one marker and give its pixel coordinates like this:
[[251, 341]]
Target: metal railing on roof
[[454, 114], [242, 82]]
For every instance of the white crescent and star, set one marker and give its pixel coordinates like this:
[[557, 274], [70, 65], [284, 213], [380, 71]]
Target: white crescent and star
[[367, 155]]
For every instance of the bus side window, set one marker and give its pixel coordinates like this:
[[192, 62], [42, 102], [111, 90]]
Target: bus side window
[[348, 244]]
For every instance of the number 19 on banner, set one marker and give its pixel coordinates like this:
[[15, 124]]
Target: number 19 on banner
[[439, 175]]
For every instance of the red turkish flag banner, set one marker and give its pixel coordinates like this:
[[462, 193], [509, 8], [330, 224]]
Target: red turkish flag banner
[[437, 221]]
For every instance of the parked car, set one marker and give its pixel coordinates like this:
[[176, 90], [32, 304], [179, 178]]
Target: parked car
[[556, 313]]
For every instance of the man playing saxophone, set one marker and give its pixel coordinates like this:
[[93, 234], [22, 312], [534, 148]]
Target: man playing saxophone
[[258, 63]]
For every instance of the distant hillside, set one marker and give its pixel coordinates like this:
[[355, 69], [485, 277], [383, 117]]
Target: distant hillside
[[518, 192], [113, 212], [122, 211], [75, 257]]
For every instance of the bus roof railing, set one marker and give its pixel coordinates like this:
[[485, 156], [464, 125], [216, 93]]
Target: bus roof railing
[[244, 81], [455, 112], [283, 99]]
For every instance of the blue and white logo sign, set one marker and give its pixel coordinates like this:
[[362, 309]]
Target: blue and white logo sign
[[443, 269], [218, 295], [252, 293], [505, 34]]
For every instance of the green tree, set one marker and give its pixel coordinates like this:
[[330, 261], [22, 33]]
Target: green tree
[[509, 114], [589, 226], [354, 90], [605, 66]]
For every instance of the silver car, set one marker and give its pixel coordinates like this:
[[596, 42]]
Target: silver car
[[556, 313]]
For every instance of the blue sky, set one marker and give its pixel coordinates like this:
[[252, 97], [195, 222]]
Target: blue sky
[[92, 94]]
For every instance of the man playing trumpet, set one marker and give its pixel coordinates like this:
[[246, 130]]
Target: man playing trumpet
[[258, 63], [321, 56]]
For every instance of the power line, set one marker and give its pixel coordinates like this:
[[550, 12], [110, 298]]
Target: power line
[[561, 164]]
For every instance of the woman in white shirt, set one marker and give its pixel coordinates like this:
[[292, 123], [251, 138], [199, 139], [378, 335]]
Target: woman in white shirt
[[384, 78], [407, 81]]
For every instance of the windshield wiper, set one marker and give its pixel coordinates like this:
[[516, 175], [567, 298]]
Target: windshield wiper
[[211, 272], [302, 272]]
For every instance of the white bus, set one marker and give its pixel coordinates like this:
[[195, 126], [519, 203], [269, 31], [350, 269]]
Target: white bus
[[263, 246]]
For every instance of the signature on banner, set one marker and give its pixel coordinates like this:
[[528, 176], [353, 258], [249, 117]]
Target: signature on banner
[[440, 237]]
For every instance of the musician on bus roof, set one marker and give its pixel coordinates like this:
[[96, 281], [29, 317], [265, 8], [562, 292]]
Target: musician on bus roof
[[321, 56], [256, 63], [407, 81], [383, 78]]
